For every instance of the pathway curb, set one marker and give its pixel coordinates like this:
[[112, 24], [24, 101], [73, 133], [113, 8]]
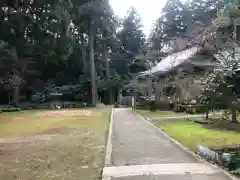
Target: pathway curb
[[185, 149], [108, 155]]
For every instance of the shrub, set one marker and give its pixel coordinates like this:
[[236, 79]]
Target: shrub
[[194, 109], [179, 108], [159, 105], [152, 106], [200, 108], [69, 104], [141, 106], [101, 105], [38, 98], [10, 110], [163, 105], [52, 106], [79, 97], [191, 110]]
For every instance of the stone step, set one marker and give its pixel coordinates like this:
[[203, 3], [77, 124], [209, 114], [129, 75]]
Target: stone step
[[159, 169], [214, 176]]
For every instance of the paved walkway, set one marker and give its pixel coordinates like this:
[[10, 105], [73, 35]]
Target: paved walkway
[[140, 152]]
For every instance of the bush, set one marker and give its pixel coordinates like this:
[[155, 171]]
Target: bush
[[200, 108], [141, 106], [179, 108], [194, 109], [163, 105], [79, 97], [38, 98], [101, 105], [159, 105], [10, 110], [69, 104], [152, 106], [191, 110]]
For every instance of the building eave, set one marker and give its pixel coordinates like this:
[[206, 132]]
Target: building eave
[[172, 61]]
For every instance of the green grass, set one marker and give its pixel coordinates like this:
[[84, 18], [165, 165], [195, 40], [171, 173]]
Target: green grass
[[191, 134], [77, 153], [147, 113]]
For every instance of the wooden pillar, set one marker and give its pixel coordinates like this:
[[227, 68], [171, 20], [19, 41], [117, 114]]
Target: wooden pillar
[[149, 83], [134, 96]]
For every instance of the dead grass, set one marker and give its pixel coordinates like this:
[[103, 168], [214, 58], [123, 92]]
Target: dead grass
[[65, 113], [75, 148], [28, 122]]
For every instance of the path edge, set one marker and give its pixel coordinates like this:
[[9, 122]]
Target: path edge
[[184, 148], [108, 155]]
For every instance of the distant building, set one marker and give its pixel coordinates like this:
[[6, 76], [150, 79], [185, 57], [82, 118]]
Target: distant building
[[178, 77]]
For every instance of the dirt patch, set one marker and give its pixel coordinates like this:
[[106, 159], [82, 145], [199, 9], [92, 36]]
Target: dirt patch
[[55, 148], [65, 113], [18, 118], [45, 135], [63, 130], [26, 138]]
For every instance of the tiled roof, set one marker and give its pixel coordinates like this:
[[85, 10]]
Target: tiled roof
[[172, 61]]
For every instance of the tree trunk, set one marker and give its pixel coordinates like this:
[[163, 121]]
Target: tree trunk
[[234, 114], [233, 106], [9, 99], [92, 63], [149, 83], [207, 113], [84, 60], [16, 96], [134, 99], [105, 56], [157, 92], [208, 107]]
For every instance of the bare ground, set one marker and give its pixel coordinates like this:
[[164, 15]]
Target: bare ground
[[65, 113], [62, 153]]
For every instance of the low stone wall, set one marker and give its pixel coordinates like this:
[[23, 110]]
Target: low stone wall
[[209, 154]]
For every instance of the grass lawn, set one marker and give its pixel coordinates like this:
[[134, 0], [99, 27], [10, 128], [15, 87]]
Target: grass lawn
[[191, 134], [75, 148], [147, 113]]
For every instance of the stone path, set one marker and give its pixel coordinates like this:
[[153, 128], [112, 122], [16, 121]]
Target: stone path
[[141, 152]]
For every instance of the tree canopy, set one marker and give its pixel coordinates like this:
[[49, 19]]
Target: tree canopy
[[66, 43]]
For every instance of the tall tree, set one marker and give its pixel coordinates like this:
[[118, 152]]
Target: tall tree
[[27, 27], [173, 19], [99, 17], [109, 29], [131, 43]]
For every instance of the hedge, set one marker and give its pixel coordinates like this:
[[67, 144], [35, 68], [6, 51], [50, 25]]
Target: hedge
[[10, 110]]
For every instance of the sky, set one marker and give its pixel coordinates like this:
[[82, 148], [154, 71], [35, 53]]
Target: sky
[[149, 10]]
